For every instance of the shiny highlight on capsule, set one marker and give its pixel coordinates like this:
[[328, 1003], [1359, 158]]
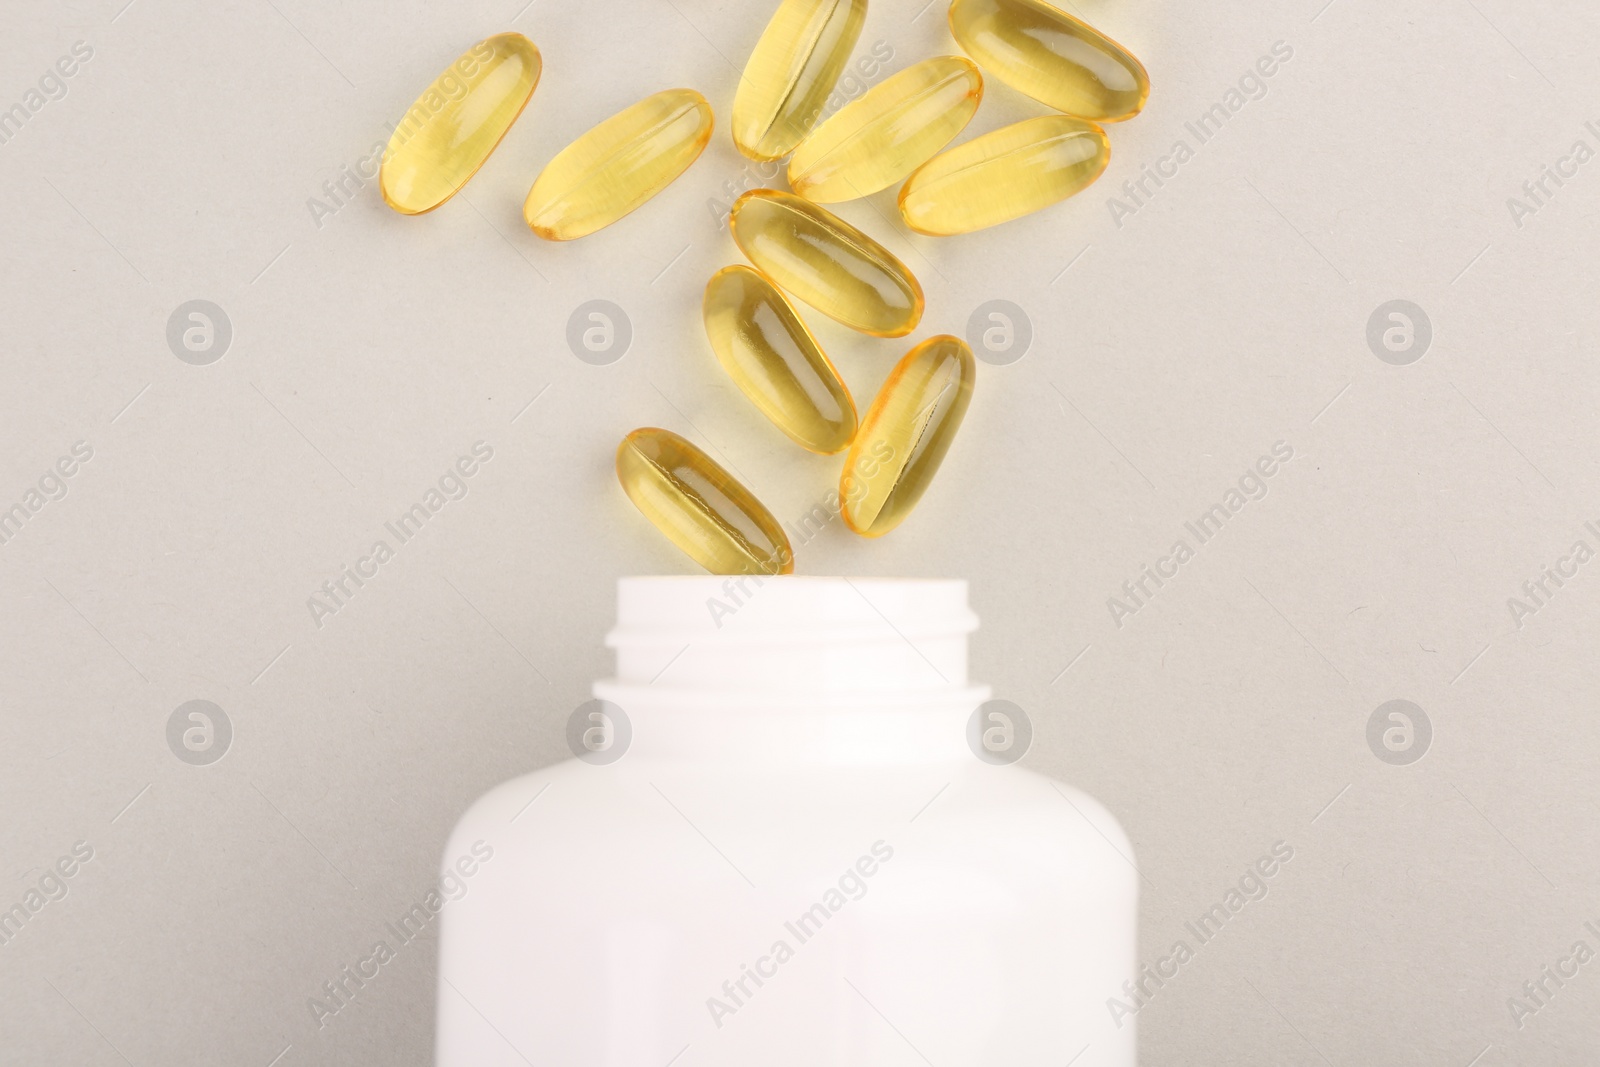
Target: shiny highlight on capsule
[[1005, 174], [1060, 61], [897, 126], [905, 435], [457, 122], [618, 165], [823, 260], [700, 507], [775, 361], [790, 73]]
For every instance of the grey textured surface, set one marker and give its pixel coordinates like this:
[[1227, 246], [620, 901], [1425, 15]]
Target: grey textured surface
[[1225, 313]]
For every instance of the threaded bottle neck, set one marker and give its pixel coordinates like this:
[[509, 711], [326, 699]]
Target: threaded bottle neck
[[791, 639], [832, 669]]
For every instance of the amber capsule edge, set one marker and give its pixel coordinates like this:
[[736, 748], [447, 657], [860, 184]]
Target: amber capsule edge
[[809, 336], [1105, 164], [698, 103], [761, 515], [966, 383], [533, 85], [1117, 46]]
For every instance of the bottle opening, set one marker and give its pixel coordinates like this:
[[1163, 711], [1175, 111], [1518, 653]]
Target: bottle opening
[[708, 641]]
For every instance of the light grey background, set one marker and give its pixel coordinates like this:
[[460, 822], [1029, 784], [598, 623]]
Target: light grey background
[[1227, 313]]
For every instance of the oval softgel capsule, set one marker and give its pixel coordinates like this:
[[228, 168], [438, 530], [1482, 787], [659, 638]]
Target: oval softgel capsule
[[618, 165], [1060, 61], [700, 507], [879, 139], [827, 263], [791, 72], [457, 122], [775, 361], [905, 435], [1005, 174]]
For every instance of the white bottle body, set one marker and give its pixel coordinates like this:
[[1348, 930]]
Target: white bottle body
[[818, 874]]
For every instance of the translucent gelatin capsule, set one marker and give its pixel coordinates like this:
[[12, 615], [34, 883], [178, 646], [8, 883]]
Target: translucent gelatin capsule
[[896, 127], [905, 434], [774, 360], [827, 262], [457, 122], [699, 506], [618, 165], [1004, 175], [791, 72], [1058, 60]]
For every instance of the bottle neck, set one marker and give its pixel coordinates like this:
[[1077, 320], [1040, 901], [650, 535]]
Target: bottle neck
[[794, 668]]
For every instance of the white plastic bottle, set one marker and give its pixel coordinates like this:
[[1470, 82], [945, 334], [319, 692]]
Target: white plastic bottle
[[784, 851]]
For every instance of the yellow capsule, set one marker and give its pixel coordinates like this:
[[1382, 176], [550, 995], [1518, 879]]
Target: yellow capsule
[[1004, 175], [618, 165], [891, 131], [774, 360], [699, 506], [905, 435], [457, 122], [827, 262], [791, 72], [1058, 60]]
